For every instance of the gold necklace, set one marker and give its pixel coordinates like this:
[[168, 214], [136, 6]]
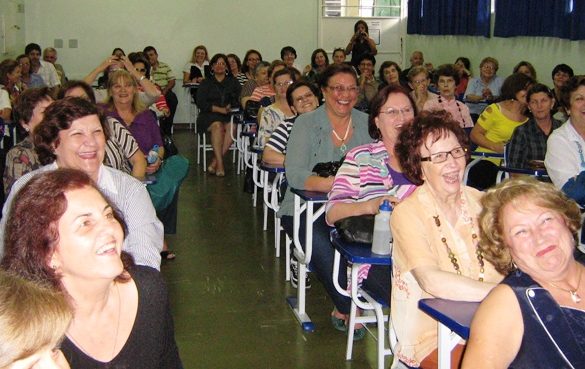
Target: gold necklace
[[343, 146], [451, 254], [574, 295]]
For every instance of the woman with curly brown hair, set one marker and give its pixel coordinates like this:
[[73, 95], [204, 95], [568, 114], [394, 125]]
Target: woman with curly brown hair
[[435, 251], [535, 317]]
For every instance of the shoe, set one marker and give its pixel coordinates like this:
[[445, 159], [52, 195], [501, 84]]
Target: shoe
[[294, 275], [359, 334], [210, 170], [220, 173], [338, 324], [168, 255]]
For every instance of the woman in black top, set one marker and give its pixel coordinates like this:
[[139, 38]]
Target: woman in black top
[[215, 98]]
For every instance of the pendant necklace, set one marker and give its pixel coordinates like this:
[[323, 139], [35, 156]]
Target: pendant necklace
[[343, 147], [70, 336], [574, 295]]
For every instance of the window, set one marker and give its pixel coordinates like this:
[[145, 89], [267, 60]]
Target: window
[[361, 8]]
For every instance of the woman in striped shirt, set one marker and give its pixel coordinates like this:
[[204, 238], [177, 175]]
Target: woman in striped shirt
[[370, 174]]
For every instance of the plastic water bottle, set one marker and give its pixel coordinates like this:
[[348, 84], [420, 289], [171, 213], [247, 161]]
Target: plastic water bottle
[[152, 155], [382, 240]]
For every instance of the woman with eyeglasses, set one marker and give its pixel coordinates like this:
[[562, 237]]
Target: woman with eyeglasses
[[369, 175], [279, 111], [485, 89], [418, 81], [435, 231], [215, 98], [323, 135], [302, 97]]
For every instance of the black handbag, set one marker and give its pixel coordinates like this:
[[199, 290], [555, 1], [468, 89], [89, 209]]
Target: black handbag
[[327, 169], [358, 228], [169, 146]]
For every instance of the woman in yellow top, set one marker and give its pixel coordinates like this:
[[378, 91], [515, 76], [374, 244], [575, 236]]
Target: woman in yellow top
[[495, 126]]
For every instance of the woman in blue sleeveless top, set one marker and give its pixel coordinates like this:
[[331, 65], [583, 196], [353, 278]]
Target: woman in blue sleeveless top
[[536, 317]]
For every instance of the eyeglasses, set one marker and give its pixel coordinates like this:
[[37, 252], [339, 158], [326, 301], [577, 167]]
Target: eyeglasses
[[419, 81], [339, 89], [283, 84], [304, 97], [394, 113], [441, 157]]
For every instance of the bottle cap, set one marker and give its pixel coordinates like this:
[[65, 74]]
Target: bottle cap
[[386, 206]]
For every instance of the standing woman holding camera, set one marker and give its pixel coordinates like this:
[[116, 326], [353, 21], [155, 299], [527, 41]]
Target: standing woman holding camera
[[360, 43]]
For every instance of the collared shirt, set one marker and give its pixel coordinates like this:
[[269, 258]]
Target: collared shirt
[[565, 154], [458, 110], [475, 87], [145, 232], [49, 74], [162, 74], [528, 143]]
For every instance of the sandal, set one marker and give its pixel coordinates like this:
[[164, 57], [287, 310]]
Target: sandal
[[220, 173], [168, 255], [211, 169]]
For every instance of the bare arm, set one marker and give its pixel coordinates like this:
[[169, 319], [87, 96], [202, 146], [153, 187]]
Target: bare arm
[[91, 77], [149, 88], [478, 137], [321, 184], [6, 113], [138, 164], [273, 157], [496, 332], [449, 285], [342, 210], [372, 44]]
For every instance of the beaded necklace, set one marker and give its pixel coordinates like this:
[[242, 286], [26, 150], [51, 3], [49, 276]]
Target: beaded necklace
[[450, 253]]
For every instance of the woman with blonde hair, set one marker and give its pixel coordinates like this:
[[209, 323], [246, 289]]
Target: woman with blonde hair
[[199, 59], [535, 317], [33, 321]]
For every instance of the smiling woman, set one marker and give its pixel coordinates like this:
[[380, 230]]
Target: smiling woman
[[63, 231], [535, 317], [72, 135], [435, 251]]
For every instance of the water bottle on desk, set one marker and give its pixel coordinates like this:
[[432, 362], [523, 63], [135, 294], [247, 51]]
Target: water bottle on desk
[[152, 155], [382, 240]]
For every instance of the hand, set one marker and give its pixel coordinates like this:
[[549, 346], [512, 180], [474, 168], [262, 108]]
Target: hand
[[109, 62], [153, 168], [307, 69], [128, 64], [374, 204], [166, 112]]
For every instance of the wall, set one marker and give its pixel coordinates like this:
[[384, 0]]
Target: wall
[[11, 28], [173, 27], [543, 52]]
